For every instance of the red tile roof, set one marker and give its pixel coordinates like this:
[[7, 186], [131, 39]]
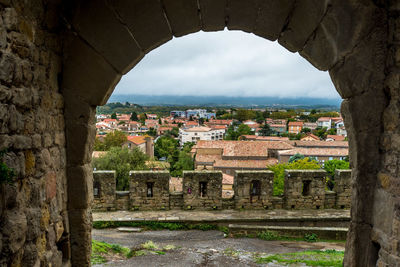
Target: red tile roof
[[315, 152], [137, 139]]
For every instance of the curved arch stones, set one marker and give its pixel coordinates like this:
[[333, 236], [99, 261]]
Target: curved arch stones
[[357, 41]]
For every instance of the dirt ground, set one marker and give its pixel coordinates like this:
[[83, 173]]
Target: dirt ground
[[202, 248]]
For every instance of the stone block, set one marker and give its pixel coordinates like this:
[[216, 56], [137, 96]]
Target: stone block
[[183, 16], [104, 190], [146, 21], [80, 221], [272, 16], [301, 26], [343, 26], [80, 142], [80, 186], [242, 15], [82, 68], [213, 14], [99, 26]]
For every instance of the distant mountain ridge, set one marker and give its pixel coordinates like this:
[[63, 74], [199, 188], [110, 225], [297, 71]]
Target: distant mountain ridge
[[222, 100]]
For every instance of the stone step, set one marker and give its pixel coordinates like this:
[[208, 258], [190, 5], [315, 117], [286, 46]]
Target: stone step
[[334, 233], [129, 229]]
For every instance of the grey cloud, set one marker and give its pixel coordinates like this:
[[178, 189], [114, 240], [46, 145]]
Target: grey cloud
[[225, 63]]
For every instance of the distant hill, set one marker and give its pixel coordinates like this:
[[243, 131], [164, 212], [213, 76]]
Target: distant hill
[[224, 101]]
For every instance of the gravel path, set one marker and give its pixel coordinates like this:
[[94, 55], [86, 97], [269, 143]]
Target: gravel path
[[201, 248]]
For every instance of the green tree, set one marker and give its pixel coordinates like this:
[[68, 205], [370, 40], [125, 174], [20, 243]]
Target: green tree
[[152, 132], [185, 162], [112, 139], [165, 147], [306, 130], [279, 172], [122, 160], [244, 129], [265, 130], [330, 166], [134, 116], [296, 157], [114, 116]]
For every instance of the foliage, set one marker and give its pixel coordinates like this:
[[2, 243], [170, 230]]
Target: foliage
[[102, 250], [321, 132], [310, 258], [165, 146], [330, 166], [283, 115], [265, 130], [152, 132], [7, 174], [245, 114], [122, 160], [156, 225], [296, 157], [134, 116], [233, 134], [185, 162], [279, 172], [112, 139], [306, 130], [268, 235], [114, 116], [313, 237]]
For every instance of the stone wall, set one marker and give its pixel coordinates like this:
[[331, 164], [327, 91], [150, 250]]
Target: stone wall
[[149, 190], [104, 188], [34, 226], [162, 198], [194, 198], [342, 188], [253, 189], [304, 189]]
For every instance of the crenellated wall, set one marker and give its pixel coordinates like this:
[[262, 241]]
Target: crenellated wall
[[149, 190], [244, 195], [253, 189], [194, 198]]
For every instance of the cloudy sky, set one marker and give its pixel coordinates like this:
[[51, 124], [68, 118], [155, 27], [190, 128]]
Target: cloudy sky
[[229, 63]]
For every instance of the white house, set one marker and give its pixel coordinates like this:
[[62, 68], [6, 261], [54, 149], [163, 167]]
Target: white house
[[200, 133], [324, 122]]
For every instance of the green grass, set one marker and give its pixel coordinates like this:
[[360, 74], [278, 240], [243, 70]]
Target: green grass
[[311, 258], [273, 235], [173, 226], [102, 250]]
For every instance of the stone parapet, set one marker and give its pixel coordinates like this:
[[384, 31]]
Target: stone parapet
[[104, 188], [305, 189], [202, 189], [149, 190], [253, 189]]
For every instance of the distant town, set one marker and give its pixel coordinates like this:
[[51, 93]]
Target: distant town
[[222, 139]]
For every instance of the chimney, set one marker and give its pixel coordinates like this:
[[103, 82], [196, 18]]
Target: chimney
[[149, 146]]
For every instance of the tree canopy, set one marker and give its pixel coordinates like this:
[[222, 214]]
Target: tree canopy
[[112, 139], [122, 160]]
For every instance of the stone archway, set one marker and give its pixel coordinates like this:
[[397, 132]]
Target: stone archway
[[350, 39], [358, 41]]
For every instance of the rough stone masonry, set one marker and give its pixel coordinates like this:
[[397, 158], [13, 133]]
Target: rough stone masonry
[[60, 59]]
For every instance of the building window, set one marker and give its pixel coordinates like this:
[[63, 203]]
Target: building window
[[306, 188], [96, 189], [203, 189], [149, 191], [255, 188]]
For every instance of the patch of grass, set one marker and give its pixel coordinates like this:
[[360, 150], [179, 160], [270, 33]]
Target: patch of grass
[[311, 237], [102, 250], [311, 258], [148, 225], [169, 247], [231, 252], [149, 245], [273, 235]]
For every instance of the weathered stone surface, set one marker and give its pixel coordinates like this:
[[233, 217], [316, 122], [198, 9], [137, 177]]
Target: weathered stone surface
[[82, 68], [304, 19], [212, 14], [194, 198], [242, 15], [183, 16], [243, 182], [81, 237], [99, 26], [80, 179], [344, 26], [146, 20], [149, 190], [16, 225], [104, 190], [272, 16]]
